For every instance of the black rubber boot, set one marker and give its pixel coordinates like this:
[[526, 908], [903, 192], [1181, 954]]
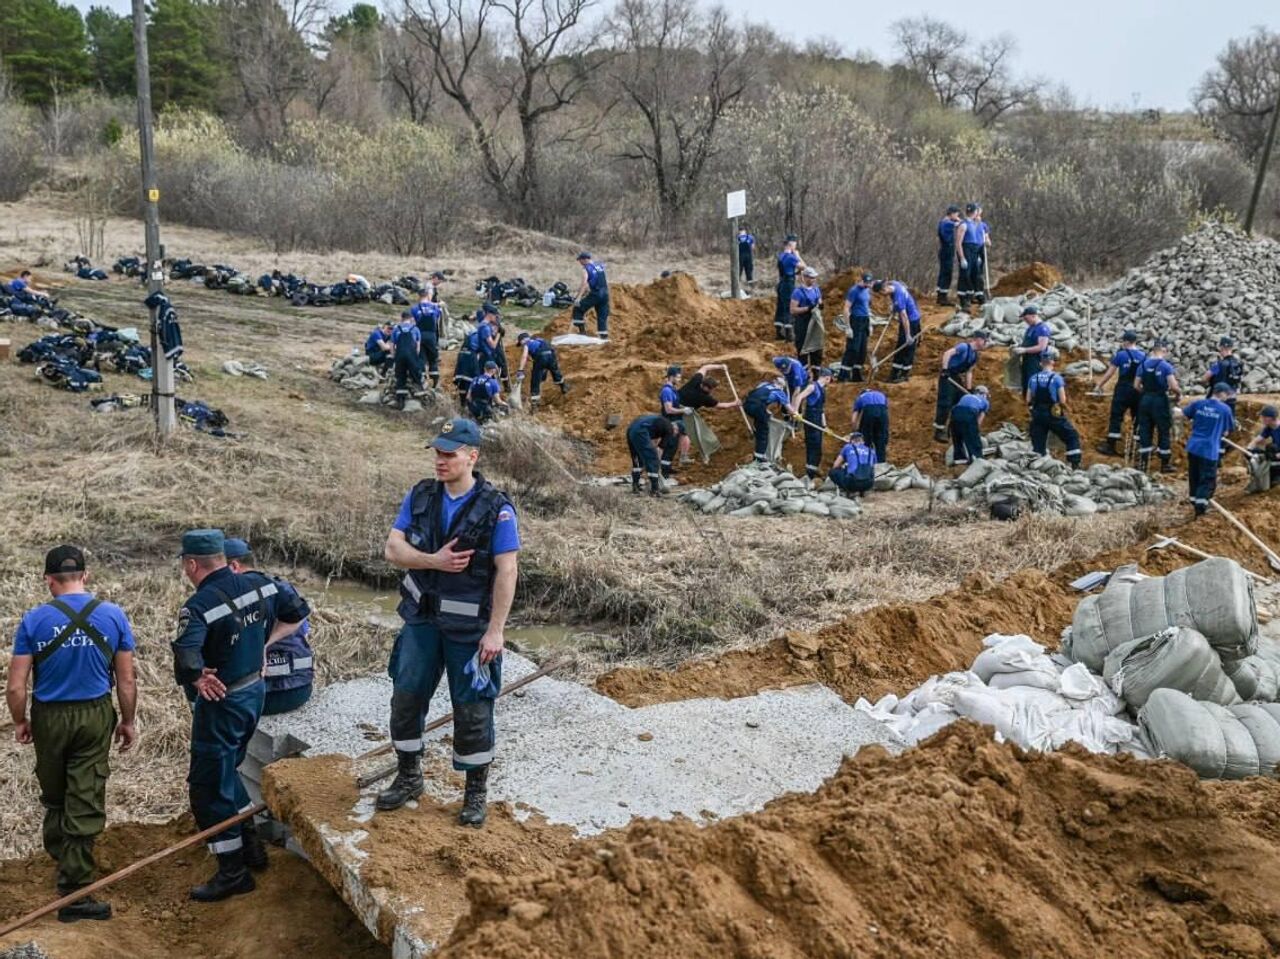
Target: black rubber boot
[[564, 387], [255, 850], [231, 879], [1074, 462], [940, 435], [86, 908], [1108, 448], [1166, 465], [1143, 462], [944, 300], [474, 798], [407, 784]]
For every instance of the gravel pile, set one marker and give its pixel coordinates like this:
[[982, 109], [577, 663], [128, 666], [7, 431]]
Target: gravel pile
[[769, 491]]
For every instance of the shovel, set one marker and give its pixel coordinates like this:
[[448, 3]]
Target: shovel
[[1166, 542], [1272, 559]]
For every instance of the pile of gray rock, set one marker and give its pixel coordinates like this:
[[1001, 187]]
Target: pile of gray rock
[[1062, 308], [353, 372], [762, 490]]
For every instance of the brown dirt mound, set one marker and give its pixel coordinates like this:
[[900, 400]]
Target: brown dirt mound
[[960, 847], [1025, 279], [292, 913]]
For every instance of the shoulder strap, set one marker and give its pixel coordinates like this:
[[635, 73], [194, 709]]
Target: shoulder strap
[[76, 622]]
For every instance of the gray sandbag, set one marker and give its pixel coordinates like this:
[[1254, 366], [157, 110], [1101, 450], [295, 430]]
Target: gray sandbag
[[703, 436], [778, 433], [1262, 720], [1256, 679], [1175, 658], [1213, 597], [1211, 739], [1241, 757]]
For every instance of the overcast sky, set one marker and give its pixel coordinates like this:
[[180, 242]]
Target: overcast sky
[[1111, 53]]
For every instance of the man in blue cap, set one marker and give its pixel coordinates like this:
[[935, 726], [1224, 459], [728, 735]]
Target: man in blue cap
[[543, 355], [1046, 397], [485, 393], [814, 400], [218, 660], [1157, 383], [290, 671], [956, 379], [73, 648], [746, 255], [947, 252], [1229, 369], [1036, 338], [789, 263], [1124, 367], [457, 541], [857, 312], [1211, 419], [674, 411], [593, 294], [1267, 442]]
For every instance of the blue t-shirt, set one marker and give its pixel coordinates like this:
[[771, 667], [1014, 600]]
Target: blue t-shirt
[[486, 332], [1127, 360], [1210, 419], [406, 328], [485, 387], [16, 286], [903, 301], [806, 297], [797, 376], [77, 670], [1155, 372], [535, 345], [855, 456], [377, 337], [962, 360], [973, 233], [1047, 379], [667, 395], [869, 398], [746, 243], [979, 404], [1034, 332], [859, 300], [506, 536], [787, 263], [947, 230]]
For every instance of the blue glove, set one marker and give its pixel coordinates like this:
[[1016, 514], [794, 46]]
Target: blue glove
[[478, 671]]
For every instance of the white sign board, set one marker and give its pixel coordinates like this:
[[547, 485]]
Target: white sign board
[[737, 203]]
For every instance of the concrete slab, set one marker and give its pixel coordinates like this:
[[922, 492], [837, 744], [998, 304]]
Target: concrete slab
[[568, 755]]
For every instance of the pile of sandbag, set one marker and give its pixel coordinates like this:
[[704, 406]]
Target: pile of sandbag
[[890, 478], [1218, 742], [765, 490], [1062, 308], [355, 372]]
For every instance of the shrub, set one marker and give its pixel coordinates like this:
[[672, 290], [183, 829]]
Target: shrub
[[20, 151]]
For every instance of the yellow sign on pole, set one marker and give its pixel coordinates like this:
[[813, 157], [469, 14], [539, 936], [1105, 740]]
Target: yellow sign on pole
[[153, 195]]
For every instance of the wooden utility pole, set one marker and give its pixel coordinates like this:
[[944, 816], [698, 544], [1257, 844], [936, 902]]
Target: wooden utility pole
[[161, 367], [1263, 161]]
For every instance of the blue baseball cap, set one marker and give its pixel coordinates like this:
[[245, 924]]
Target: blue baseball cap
[[236, 549], [1223, 388], [1030, 310], [455, 434], [203, 542], [491, 309]]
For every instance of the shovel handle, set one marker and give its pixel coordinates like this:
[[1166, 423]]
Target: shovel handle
[[1230, 518]]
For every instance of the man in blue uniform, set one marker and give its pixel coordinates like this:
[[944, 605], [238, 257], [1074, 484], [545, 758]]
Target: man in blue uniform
[[645, 437], [966, 426], [789, 262], [871, 419], [428, 315], [806, 298], [73, 648], [1036, 338], [813, 398], [854, 470], [793, 372], [543, 355], [768, 397], [904, 314], [485, 393], [593, 294], [1124, 368], [671, 407], [1157, 384], [1267, 442], [1211, 419], [378, 346], [970, 233], [218, 660], [476, 347], [1229, 369], [947, 252], [857, 313], [746, 255], [290, 671], [1046, 396], [457, 541], [956, 379], [407, 342]]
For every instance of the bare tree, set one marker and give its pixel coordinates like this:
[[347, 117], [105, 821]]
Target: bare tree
[[681, 70], [1238, 95], [410, 73], [933, 49], [554, 55], [987, 85]]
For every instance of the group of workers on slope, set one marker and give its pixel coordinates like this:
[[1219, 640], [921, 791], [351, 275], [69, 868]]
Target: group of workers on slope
[[963, 243]]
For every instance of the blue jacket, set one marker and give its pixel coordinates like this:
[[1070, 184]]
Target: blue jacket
[[1210, 420]]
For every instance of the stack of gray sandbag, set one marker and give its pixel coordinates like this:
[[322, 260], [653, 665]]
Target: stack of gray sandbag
[[765, 490], [354, 372], [1062, 308], [890, 478]]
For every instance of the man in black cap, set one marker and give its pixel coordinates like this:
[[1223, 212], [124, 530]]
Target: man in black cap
[[674, 411], [789, 263], [956, 379], [593, 294], [218, 659], [1157, 384], [457, 541], [1229, 369], [1035, 340], [947, 252], [1124, 367], [857, 313], [1267, 442], [73, 648], [645, 437]]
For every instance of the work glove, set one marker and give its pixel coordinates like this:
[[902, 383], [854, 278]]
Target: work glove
[[686, 410], [520, 374], [478, 671]]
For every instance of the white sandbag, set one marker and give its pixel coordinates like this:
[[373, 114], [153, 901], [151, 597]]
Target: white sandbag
[[982, 707], [1009, 654], [1176, 658], [928, 723], [1256, 679], [1213, 597], [1264, 729], [1083, 690], [1094, 731], [1040, 677]]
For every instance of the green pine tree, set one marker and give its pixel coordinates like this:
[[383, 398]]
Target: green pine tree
[[110, 39], [185, 68], [43, 49]]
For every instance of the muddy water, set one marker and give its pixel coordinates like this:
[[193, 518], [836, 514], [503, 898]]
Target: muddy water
[[380, 607]]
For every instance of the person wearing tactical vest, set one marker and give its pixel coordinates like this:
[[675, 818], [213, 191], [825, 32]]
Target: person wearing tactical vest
[[545, 361], [1157, 384], [805, 298], [1229, 369], [854, 470], [955, 379], [645, 437], [947, 252], [789, 262], [1123, 367], [857, 312], [472, 351], [378, 347], [290, 671], [1046, 396], [905, 315], [769, 396], [73, 648], [457, 541], [1211, 419], [971, 237], [814, 400], [1267, 442], [428, 315], [871, 419], [485, 393], [1035, 340], [593, 294], [966, 426], [407, 342], [218, 661]]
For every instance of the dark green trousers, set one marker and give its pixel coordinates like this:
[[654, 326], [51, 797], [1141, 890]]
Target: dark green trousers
[[73, 741]]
